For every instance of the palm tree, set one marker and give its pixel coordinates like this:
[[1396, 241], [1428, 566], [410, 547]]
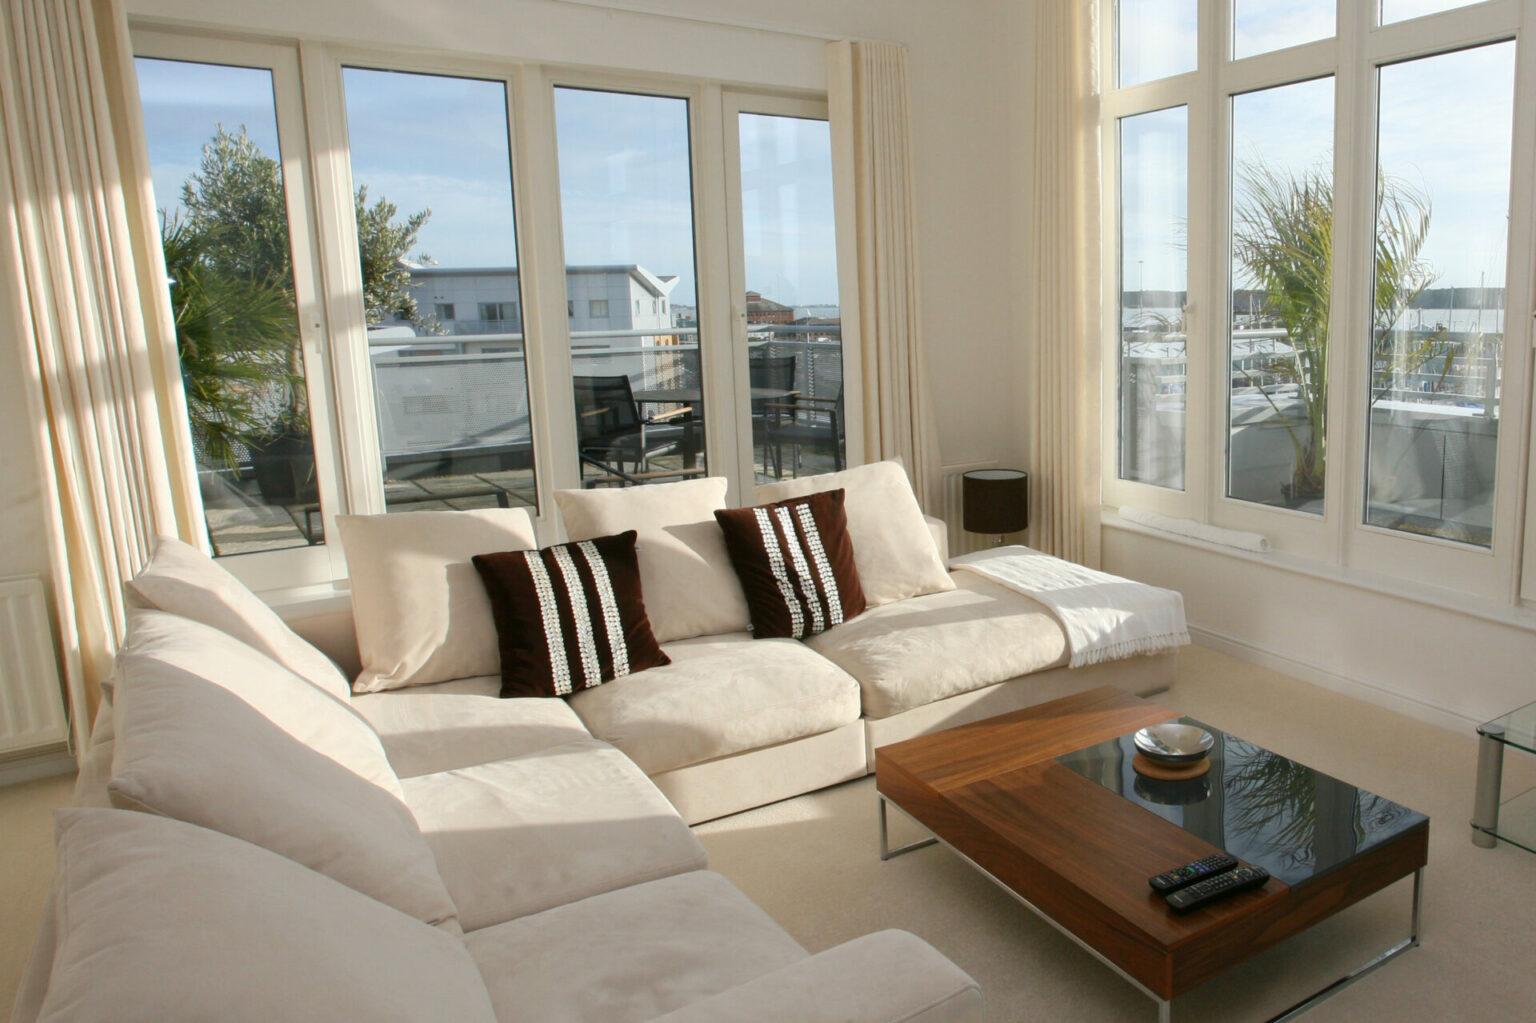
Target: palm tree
[[1282, 238], [237, 340]]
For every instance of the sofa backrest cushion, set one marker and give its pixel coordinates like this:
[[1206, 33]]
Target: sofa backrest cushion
[[569, 617], [184, 581], [161, 920], [685, 572], [892, 544], [795, 563], [189, 749], [313, 717], [422, 615]]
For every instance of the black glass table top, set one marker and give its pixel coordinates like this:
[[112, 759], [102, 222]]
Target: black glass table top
[[1265, 809]]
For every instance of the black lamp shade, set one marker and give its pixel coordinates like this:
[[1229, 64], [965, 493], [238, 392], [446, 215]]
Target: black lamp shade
[[995, 500]]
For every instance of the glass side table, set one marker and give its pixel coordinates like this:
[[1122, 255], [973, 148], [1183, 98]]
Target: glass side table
[[1515, 820]]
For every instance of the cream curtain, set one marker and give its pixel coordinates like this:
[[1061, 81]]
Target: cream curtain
[[86, 282], [1063, 319], [867, 94]]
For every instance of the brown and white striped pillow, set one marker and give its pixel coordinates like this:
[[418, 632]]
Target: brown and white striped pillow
[[569, 617], [795, 563]]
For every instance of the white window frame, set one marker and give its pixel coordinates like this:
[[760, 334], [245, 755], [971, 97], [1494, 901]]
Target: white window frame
[[308, 90], [1338, 541]]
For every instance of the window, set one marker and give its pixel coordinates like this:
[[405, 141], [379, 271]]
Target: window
[[1282, 279], [499, 313], [1437, 327], [1153, 196], [406, 342], [626, 204], [222, 166], [454, 427], [795, 358], [1308, 262]]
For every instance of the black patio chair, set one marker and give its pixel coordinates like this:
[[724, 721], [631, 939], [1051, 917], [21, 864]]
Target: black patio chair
[[611, 432]]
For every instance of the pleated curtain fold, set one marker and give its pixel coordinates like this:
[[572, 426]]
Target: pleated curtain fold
[[868, 97], [86, 290], [1063, 274]]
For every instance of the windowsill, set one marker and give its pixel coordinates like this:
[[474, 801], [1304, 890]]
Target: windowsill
[[1518, 616], [305, 601]]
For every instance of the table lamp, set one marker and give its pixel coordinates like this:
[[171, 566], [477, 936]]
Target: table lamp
[[995, 501]]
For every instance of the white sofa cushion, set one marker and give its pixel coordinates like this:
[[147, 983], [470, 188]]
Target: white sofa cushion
[[720, 695], [892, 544], [685, 573], [184, 581], [161, 920], [421, 613], [189, 749], [303, 710], [630, 954], [518, 836], [441, 727], [925, 648]]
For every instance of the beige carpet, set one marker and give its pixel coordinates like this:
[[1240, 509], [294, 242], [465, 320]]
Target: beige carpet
[[812, 863]]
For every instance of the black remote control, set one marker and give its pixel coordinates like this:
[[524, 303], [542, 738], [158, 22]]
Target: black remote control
[[1189, 873], [1218, 887]]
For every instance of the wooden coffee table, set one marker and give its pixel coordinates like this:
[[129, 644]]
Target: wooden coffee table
[[1075, 841]]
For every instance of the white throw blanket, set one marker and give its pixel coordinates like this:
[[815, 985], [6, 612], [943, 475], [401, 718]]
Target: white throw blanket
[[1105, 617]]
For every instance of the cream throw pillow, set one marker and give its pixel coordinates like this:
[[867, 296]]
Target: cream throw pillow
[[191, 750], [184, 581], [315, 718], [892, 544], [686, 577], [160, 920], [421, 612]]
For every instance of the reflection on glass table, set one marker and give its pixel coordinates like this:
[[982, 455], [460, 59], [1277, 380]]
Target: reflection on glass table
[[1294, 821], [1513, 821]]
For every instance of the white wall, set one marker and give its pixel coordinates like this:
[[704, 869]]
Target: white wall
[[1370, 640], [966, 61]]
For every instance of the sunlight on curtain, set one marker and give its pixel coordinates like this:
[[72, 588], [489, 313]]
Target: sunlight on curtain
[[868, 83], [86, 280], [1063, 319]]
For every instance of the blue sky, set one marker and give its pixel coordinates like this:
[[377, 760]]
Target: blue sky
[[427, 141]]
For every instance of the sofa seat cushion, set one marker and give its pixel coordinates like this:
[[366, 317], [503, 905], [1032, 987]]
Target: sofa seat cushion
[[426, 729], [630, 955], [915, 651], [521, 835], [156, 919], [720, 695]]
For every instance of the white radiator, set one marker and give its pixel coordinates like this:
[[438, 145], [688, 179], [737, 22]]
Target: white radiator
[[952, 510], [31, 703]]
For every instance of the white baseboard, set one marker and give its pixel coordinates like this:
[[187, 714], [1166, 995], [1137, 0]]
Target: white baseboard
[[1369, 692], [46, 763]]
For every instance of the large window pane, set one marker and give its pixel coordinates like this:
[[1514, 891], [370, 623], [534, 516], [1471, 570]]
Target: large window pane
[[794, 325], [626, 203], [1154, 177], [218, 179], [1441, 236], [1155, 39], [1259, 26], [438, 239], [1282, 261]]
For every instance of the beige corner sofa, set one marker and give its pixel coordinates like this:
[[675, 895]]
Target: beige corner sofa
[[734, 722], [260, 834]]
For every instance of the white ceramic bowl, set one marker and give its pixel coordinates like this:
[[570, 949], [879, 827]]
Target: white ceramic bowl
[[1174, 743]]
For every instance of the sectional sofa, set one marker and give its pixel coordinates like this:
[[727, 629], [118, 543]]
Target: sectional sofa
[[269, 828]]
